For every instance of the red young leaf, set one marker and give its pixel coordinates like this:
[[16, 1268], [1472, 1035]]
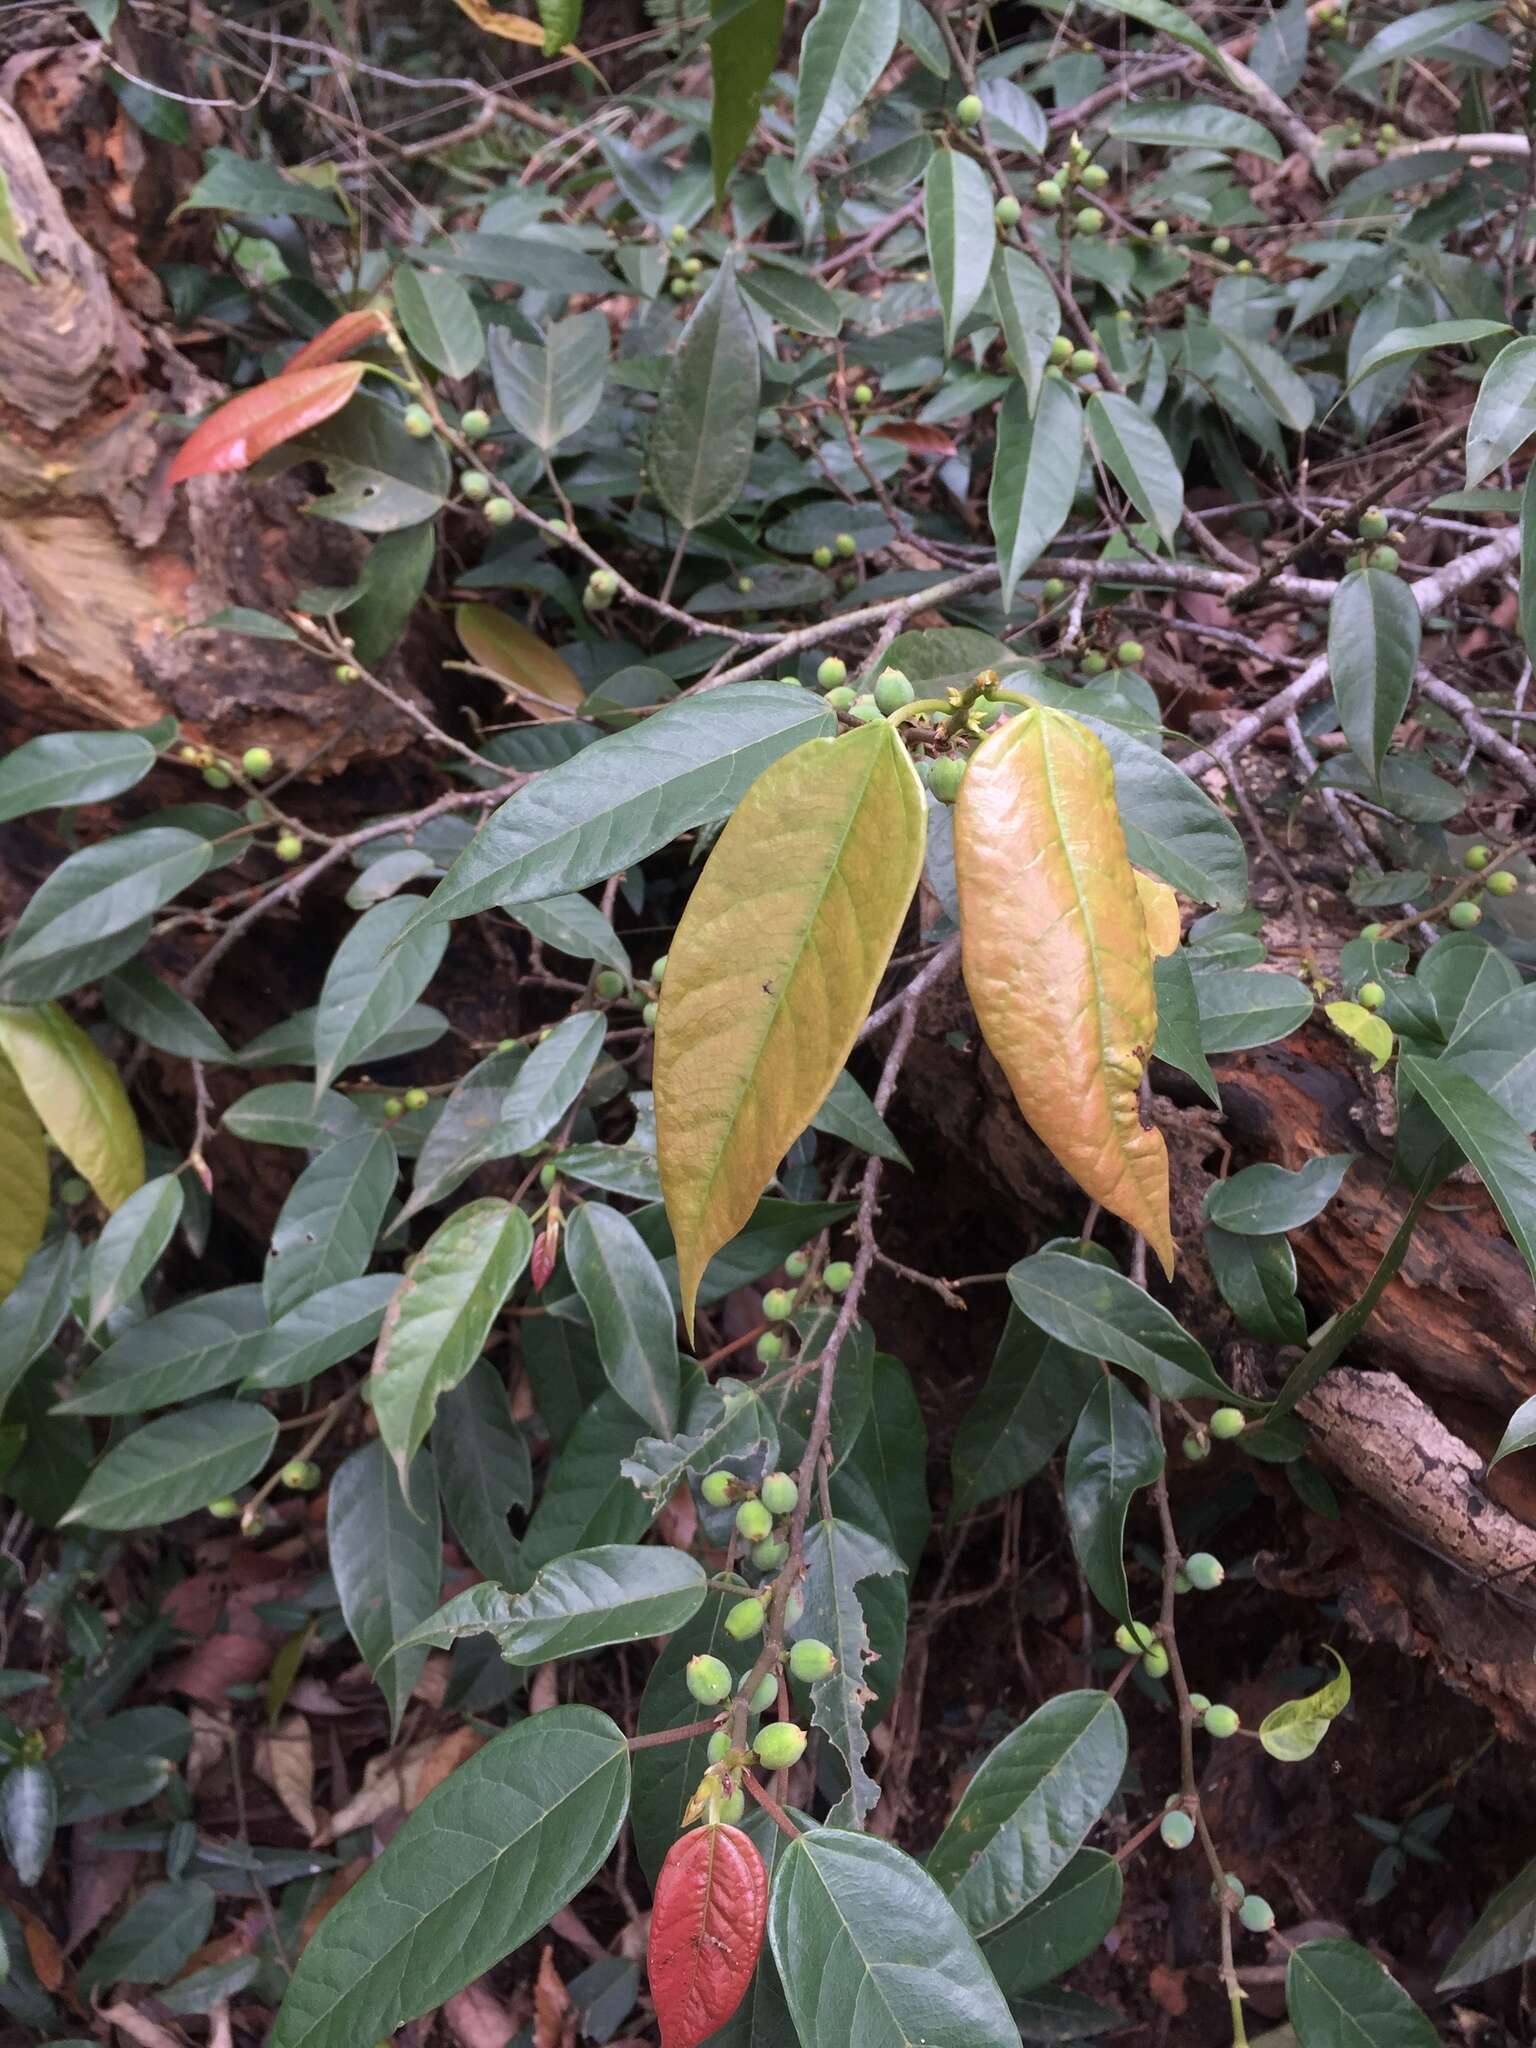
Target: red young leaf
[[706, 1932], [248, 426], [352, 330], [916, 438]]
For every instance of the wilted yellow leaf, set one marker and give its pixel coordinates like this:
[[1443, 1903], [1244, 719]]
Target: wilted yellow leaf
[[76, 1092], [1160, 910], [772, 971], [1364, 1028], [1054, 947], [23, 1176], [496, 23], [516, 656]]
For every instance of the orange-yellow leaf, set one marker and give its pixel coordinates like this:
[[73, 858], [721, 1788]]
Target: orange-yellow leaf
[[250, 426], [1054, 947], [76, 1093], [23, 1176], [541, 679], [772, 971], [1160, 911], [496, 23], [352, 331]]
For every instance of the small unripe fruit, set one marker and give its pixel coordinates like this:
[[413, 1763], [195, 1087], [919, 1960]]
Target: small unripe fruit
[[715, 1489], [475, 424], [764, 1693], [1230, 1883], [863, 394], [692, 265], [1383, 558], [73, 1190], [1060, 350], [1134, 1638], [1387, 132], [678, 234], [822, 557], [679, 287], [778, 1303], [1053, 590], [1374, 525], [732, 1807], [794, 1608], [252, 1522], [1476, 858], [558, 527], [256, 760], [416, 1098], [549, 1173], [984, 712], [744, 584], [474, 485], [1095, 177], [609, 984], [302, 1475], [658, 968], [1088, 220], [288, 846], [837, 1277], [191, 755], [969, 111], [1243, 267], [1256, 1914], [1177, 1829], [1222, 1722], [719, 1746], [946, 776], [216, 778], [779, 1493], [417, 422], [1464, 915], [708, 1680], [1156, 1662], [1196, 1448], [753, 1521], [603, 582], [779, 1745], [499, 512], [1129, 653], [1220, 245], [769, 1556], [1199, 1704], [648, 1016], [797, 1265], [845, 544], [770, 1348], [1370, 995], [745, 1620], [1159, 231], [1081, 361], [225, 1508], [892, 691], [1048, 192], [393, 1106], [843, 698], [1094, 663], [347, 672], [1227, 1423], [810, 1660], [1370, 931], [1007, 211], [833, 673], [1503, 883], [1205, 1571]]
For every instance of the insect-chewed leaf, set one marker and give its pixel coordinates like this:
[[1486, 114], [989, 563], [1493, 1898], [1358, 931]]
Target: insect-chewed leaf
[[1055, 952], [772, 971], [258, 421], [1293, 1730], [707, 1922]]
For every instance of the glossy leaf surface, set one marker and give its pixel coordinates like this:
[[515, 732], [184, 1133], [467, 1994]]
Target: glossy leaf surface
[[243, 429]]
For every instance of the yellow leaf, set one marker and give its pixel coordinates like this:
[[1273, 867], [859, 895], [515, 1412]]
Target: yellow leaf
[[517, 657], [76, 1092], [1364, 1028], [23, 1176], [1160, 911], [495, 23], [1054, 946], [1293, 1731], [772, 971]]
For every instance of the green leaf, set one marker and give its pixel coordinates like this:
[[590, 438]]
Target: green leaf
[[286, 1113], [1034, 1394], [724, 1420], [326, 1229], [1172, 828], [381, 478], [1094, 1309], [29, 1805], [1178, 1040], [1274, 382], [1528, 563], [1400, 343], [129, 1247], [1262, 1199], [1025, 1813], [1373, 650], [665, 1776], [1491, 1138], [847, 45], [439, 320], [1257, 1279], [436, 1327], [838, 1556], [483, 1470], [849, 1114], [30, 1315], [957, 208], [549, 390], [1133, 450], [390, 584], [1502, 1938], [191, 1349], [1292, 1731], [138, 1001], [71, 768], [550, 1080], [788, 296], [1029, 314], [743, 49], [1191, 124], [175, 1464], [154, 1939], [586, 1500], [377, 972], [1406, 37], [560, 20], [334, 1324], [705, 424], [888, 1466], [1060, 1928], [1339, 1996], [631, 1311], [387, 1560], [467, 1131], [1171, 21], [1505, 413], [570, 924], [620, 799], [86, 917], [617, 1593], [475, 1871], [237, 184], [1114, 1451], [1247, 1006], [871, 1953], [1034, 476]]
